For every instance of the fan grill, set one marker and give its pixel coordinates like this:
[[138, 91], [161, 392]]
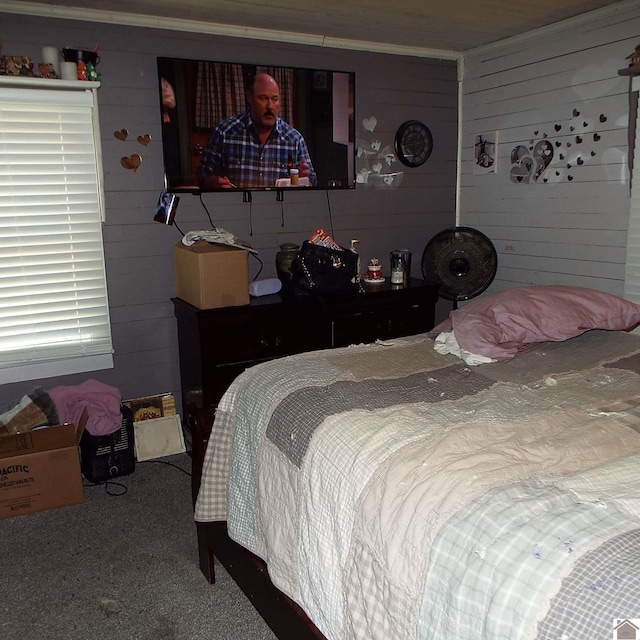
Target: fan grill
[[462, 260]]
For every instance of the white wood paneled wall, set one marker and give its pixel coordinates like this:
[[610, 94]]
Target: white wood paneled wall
[[632, 273], [570, 225], [139, 252]]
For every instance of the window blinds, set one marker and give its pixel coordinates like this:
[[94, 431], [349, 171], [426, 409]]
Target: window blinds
[[54, 313]]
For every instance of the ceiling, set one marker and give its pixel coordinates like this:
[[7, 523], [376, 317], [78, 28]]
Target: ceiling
[[452, 26]]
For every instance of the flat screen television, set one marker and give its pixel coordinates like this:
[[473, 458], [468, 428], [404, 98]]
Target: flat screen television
[[196, 95]]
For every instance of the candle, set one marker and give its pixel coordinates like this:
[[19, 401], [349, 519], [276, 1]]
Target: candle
[[51, 55]]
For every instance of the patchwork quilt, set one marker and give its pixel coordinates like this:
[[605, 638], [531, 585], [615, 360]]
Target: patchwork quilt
[[397, 493]]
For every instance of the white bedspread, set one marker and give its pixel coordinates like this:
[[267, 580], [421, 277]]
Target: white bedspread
[[395, 493]]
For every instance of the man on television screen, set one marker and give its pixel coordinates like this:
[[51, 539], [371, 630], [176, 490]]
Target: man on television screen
[[255, 148]]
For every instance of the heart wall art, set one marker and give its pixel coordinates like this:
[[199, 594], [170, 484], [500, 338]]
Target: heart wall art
[[132, 162], [376, 158], [555, 155]]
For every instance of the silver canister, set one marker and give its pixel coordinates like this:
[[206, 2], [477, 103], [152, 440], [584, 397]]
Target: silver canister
[[400, 266]]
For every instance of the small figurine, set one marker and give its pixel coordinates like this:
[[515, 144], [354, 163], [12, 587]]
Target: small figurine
[[374, 271], [82, 70], [634, 57], [16, 66], [46, 70], [91, 72]]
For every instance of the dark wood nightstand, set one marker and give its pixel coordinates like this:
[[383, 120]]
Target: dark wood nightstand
[[216, 345]]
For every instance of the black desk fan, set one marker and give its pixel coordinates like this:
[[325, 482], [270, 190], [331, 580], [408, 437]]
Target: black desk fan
[[462, 260]]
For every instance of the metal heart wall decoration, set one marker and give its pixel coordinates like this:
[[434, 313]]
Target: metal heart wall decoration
[[132, 162], [370, 123], [145, 139], [121, 135]]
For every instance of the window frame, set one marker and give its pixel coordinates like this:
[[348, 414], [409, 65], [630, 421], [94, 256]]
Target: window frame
[[61, 92]]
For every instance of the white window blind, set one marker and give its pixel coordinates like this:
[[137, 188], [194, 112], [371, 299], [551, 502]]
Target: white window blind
[[54, 312]]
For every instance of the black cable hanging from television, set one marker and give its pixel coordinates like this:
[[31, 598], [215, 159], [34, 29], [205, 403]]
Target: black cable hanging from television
[[213, 226], [246, 197], [333, 235], [175, 224]]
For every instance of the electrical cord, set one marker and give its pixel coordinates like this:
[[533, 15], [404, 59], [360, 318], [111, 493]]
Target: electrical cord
[[121, 489], [213, 226], [248, 198], [106, 484], [169, 464], [330, 214], [261, 266]]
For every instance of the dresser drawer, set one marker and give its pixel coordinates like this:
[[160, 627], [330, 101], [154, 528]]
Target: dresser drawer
[[262, 336], [382, 324]]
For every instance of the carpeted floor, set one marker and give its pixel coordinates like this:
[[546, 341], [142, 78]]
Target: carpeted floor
[[119, 568]]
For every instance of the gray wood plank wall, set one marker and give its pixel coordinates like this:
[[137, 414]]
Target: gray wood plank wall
[[570, 225], [139, 252]]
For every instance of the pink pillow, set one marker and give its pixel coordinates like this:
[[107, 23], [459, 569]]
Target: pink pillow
[[502, 325]]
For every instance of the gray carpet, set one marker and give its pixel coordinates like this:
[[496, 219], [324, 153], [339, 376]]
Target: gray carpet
[[119, 568]]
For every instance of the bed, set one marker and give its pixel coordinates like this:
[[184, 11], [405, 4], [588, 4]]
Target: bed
[[390, 491]]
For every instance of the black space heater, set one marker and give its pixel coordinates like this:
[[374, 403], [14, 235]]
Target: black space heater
[[106, 457]]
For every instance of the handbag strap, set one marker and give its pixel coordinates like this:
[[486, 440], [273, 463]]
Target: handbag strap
[[307, 274], [313, 286]]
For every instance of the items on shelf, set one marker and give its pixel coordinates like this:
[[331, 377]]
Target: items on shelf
[[65, 64], [374, 272], [634, 57]]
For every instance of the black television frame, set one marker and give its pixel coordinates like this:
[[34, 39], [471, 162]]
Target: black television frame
[[316, 93]]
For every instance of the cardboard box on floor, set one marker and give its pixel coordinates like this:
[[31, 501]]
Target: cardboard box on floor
[[40, 469], [211, 275]]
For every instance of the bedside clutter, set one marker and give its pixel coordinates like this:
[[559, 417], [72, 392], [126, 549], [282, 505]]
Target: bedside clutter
[[40, 469], [264, 287], [209, 276]]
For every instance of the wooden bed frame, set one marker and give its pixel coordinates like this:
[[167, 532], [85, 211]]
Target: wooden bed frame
[[286, 619]]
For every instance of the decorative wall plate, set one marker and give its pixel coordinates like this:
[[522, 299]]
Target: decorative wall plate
[[413, 143]]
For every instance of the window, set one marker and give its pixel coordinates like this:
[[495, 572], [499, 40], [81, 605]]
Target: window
[[54, 312]]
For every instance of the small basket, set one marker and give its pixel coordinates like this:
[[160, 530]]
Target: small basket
[[106, 457]]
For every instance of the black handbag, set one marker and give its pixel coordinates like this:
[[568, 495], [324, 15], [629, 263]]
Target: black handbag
[[318, 270]]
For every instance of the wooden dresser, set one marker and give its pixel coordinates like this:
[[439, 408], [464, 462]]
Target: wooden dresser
[[218, 344]]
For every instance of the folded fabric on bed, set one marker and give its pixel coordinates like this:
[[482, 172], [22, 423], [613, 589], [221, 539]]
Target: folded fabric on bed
[[505, 324]]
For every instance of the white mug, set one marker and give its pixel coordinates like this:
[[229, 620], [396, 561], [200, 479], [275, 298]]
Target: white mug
[[68, 70]]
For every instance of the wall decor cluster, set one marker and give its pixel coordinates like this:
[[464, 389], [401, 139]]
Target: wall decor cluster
[[375, 159], [132, 162], [569, 146]]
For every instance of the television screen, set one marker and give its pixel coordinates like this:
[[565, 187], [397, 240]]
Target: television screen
[[254, 127]]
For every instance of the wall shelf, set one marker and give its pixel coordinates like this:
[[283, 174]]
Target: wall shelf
[[46, 83], [630, 71]]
